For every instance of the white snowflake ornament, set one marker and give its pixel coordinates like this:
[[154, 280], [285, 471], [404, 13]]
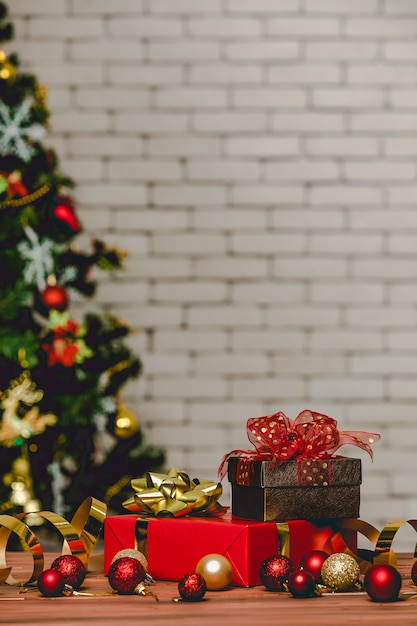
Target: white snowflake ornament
[[16, 133], [39, 258]]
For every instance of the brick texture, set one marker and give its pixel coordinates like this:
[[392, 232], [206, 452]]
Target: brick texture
[[257, 160]]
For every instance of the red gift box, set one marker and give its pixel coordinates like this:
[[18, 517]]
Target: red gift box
[[174, 546], [297, 537]]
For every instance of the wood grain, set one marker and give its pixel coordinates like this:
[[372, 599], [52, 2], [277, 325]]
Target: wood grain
[[233, 606]]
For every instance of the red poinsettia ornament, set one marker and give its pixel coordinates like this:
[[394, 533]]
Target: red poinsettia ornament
[[14, 184], [66, 346]]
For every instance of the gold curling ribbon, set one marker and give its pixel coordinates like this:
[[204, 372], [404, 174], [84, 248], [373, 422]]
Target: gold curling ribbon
[[383, 549], [382, 541], [174, 495], [79, 536], [367, 530], [29, 543]]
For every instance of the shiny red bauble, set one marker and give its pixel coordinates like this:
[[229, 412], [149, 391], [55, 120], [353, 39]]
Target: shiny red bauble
[[54, 297], [192, 587], [65, 214], [313, 562], [382, 583], [71, 568], [51, 583], [274, 572], [301, 584], [125, 574]]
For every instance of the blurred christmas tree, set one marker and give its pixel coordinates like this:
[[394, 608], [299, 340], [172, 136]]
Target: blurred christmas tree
[[64, 433]]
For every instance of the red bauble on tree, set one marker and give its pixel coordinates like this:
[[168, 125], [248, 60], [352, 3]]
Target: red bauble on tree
[[192, 587], [53, 297], [274, 572], [51, 583], [383, 583], [71, 568], [125, 574], [63, 212], [313, 562], [301, 584]]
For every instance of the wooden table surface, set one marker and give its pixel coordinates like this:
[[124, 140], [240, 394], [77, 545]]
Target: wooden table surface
[[234, 606]]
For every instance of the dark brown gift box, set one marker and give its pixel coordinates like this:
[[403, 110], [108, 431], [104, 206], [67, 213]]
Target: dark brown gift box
[[300, 489]]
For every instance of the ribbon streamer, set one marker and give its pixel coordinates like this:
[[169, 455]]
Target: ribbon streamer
[[383, 549], [382, 541], [310, 436], [174, 495], [79, 536]]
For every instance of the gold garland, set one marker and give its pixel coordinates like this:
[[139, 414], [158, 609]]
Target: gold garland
[[28, 199], [116, 488]]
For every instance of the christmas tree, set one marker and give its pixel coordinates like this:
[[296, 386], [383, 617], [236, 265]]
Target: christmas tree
[[64, 432]]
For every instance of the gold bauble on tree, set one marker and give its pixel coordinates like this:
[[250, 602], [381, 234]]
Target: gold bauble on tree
[[7, 70], [125, 424]]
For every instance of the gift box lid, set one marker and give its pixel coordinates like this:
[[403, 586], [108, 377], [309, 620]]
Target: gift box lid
[[334, 471]]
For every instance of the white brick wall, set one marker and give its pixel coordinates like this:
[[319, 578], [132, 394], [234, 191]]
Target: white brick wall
[[257, 159]]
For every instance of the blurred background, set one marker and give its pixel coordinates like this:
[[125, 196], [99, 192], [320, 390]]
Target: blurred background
[[257, 159]]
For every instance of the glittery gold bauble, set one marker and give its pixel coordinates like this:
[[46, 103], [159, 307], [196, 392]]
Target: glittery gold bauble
[[340, 572], [135, 554], [216, 571], [125, 424]]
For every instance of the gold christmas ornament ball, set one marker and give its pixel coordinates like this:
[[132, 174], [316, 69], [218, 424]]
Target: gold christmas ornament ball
[[134, 554], [216, 570], [340, 572], [125, 424]]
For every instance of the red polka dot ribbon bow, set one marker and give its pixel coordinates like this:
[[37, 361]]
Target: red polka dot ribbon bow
[[310, 436]]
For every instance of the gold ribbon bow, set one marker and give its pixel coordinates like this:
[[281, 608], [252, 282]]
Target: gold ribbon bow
[[174, 495]]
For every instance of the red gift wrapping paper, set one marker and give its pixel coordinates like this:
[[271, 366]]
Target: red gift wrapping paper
[[174, 546], [305, 536]]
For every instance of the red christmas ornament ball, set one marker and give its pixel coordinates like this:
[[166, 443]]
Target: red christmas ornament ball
[[274, 572], [125, 574], [382, 583], [71, 568], [64, 213], [51, 583], [414, 573], [54, 297], [301, 583], [192, 587], [313, 562]]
